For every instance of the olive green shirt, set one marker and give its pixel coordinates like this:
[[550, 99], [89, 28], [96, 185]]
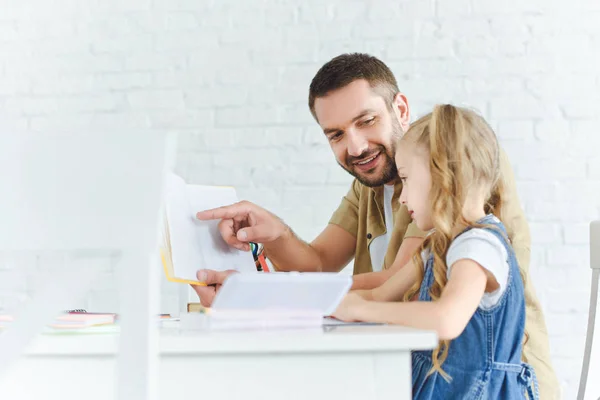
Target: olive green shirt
[[361, 214]]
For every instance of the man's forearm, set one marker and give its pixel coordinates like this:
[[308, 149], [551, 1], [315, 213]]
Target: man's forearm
[[290, 253]]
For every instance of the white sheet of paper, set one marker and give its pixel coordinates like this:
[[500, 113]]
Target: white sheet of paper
[[319, 293], [198, 244]]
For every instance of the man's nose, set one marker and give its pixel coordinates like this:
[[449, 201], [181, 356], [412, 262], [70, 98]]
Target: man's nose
[[357, 144]]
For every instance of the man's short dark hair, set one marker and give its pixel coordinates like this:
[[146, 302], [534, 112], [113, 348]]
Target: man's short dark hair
[[347, 68]]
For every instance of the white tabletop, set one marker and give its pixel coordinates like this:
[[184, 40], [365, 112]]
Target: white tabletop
[[174, 341]]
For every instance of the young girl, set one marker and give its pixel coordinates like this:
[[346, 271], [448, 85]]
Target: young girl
[[465, 275]]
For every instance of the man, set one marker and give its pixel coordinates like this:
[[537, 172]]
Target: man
[[356, 101]]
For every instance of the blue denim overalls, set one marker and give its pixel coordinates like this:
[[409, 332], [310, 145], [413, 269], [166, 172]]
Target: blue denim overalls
[[484, 362]]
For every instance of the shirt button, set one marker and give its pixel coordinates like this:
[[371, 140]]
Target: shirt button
[[369, 236]]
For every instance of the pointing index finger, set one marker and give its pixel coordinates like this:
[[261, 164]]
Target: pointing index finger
[[225, 212]]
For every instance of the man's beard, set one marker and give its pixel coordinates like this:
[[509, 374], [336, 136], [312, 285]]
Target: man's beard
[[390, 172]]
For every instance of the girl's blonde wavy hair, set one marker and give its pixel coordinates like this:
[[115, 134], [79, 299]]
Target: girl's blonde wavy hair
[[463, 155]]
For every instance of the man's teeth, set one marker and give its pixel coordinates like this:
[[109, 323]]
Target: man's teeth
[[368, 160]]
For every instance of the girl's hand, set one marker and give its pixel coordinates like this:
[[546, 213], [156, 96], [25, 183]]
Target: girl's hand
[[347, 310]]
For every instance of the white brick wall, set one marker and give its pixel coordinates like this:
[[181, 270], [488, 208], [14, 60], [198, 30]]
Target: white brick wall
[[232, 78]]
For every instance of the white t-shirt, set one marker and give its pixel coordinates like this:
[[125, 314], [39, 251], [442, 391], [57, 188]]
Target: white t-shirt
[[379, 245], [487, 250]]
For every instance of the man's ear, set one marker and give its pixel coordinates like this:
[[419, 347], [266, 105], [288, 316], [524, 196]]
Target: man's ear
[[402, 110]]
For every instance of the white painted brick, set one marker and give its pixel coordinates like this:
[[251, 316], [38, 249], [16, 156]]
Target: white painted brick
[[327, 51], [123, 81], [507, 7], [64, 105], [181, 79], [46, 28], [269, 94], [224, 96], [178, 21], [264, 38], [568, 254], [79, 121], [568, 301], [72, 84], [514, 26], [593, 168], [268, 180], [583, 191], [115, 25], [425, 47], [315, 12], [103, 301], [291, 33], [545, 233], [529, 190], [566, 45], [493, 85], [295, 115], [310, 175], [111, 6], [194, 167], [338, 176], [445, 9], [403, 11], [226, 139], [175, 5], [577, 233], [182, 119], [557, 168], [13, 280], [554, 130], [311, 154], [8, 31], [538, 258], [154, 62], [245, 116], [293, 52], [165, 99], [78, 63], [563, 325], [557, 85], [243, 157], [517, 130], [584, 140], [522, 107], [522, 65], [351, 11], [243, 16], [227, 176], [297, 196], [14, 85], [201, 41], [389, 29], [283, 136], [131, 44], [130, 119], [13, 123], [281, 14], [314, 136], [577, 211]]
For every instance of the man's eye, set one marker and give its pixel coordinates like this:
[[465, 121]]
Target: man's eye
[[335, 136], [369, 121]]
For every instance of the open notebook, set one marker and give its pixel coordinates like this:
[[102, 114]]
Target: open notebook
[[189, 244]]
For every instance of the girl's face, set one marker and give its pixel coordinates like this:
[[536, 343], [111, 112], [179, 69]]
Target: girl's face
[[414, 171]]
